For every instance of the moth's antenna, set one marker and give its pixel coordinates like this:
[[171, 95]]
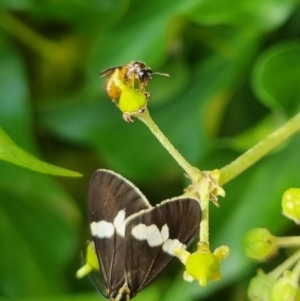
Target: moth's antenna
[[98, 288]]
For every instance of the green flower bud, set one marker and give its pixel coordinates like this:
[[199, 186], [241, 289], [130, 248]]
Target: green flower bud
[[260, 287], [291, 204], [260, 244], [285, 289], [132, 101], [91, 262], [91, 256], [203, 266]]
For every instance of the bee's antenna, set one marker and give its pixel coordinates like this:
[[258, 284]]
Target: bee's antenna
[[162, 74]]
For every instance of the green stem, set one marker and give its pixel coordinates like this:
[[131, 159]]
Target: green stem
[[287, 264], [251, 156], [288, 242], [296, 273], [29, 37], [192, 172], [203, 189]]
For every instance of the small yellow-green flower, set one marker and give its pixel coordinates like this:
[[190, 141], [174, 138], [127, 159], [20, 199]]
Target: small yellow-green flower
[[291, 204], [260, 287], [132, 101], [260, 244], [285, 288], [202, 265], [91, 262]]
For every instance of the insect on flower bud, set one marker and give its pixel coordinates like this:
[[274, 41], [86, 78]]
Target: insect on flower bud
[[126, 86]]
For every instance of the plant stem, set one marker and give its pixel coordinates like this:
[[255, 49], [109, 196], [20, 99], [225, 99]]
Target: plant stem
[[296, 273], [285, 265], [192, 172], [288, 242], [243, 162], [202, 187], [29, 37], [203, 190]]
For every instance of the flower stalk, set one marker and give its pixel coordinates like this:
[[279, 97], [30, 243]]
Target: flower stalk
[[192, 172], [255, 153]]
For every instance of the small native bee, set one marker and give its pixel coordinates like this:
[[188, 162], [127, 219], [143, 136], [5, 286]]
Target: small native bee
[[129, 74]]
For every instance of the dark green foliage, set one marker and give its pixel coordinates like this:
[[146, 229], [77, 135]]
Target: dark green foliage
[[235, 72]]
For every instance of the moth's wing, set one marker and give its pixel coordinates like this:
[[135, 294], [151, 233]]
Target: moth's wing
[[109, 71], [151, 236], [111, 199]]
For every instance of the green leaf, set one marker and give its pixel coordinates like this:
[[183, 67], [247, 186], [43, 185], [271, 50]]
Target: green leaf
[[248, 138], [83, 15], [39, 221], [38, 233], [253, 14], [276, 77], [14, 116], [11, 152], [17, 4], [67, 297], [152, 293], [135, 38]]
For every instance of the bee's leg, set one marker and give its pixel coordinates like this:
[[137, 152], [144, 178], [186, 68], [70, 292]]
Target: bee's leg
[[143, 86], [127, 117]]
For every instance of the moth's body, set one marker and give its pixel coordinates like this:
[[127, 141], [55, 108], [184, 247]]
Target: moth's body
[[123, 294]]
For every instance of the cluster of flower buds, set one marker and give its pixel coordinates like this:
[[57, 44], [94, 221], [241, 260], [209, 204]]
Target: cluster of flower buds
[[281, 284]]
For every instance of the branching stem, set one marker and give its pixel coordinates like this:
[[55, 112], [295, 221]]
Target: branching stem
[[191, 171], [255, 153], [287, 264]]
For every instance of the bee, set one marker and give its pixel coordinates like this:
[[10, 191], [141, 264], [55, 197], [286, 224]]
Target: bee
[[129, 74]]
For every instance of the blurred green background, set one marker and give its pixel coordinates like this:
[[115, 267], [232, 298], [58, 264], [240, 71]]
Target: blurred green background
[[235, 70]]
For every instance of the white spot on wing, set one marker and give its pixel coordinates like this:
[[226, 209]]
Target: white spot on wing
[[151, 233], [154, 236], [165, 232], [139, 232], [119, 223], [93, 227], [171, 244], [119, 219], [121, 230], [102, 229]]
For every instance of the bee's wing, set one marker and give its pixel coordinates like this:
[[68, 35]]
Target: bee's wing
[[109, 71]]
